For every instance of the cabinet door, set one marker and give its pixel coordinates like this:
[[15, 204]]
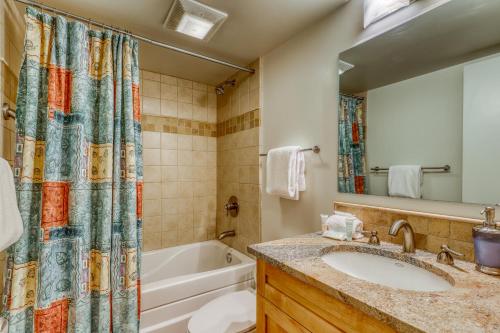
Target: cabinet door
[[271, 320]]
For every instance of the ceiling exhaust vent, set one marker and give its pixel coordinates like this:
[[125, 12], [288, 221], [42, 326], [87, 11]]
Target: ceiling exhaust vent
[[194, 19]]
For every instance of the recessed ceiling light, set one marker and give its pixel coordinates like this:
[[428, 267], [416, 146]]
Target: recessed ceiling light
[[194, 19]]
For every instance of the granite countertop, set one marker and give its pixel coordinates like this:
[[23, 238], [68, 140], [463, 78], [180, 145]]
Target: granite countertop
[[471, 305]]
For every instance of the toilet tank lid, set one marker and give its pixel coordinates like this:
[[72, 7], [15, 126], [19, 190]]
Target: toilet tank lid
[[231, 313]]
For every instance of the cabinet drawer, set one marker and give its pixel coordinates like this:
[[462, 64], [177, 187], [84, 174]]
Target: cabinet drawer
[[310, 307]]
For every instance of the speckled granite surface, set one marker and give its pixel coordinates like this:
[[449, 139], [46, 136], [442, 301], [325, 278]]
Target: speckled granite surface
[[472, 304]]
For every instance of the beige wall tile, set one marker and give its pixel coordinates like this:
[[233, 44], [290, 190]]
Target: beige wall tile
[[151, 140], [199, 158], [440, 228], [212, 99], [169, 189], [152, 241], [151, 156], [170, 206], [185, 95], [168, 108], [185, 158], [211, 115], [169, 173], [185, 142], [185, 173], [170, 222], [151, 88], [169, 239], [152, 174], [200, 98], [152, 191], [200, 86], [151, 105], [168, 141], [152, 224], [185, 235], [211, 159], [185, 189], [152, 207], [461, 231], [172, 80], [168, 157], [200, 143], [185, 110], [185, 83], [146, 75], [211, 144], [200, 113], [169, 92], [175, 165]]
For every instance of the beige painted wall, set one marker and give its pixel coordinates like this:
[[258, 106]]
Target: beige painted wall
[[300, 88]]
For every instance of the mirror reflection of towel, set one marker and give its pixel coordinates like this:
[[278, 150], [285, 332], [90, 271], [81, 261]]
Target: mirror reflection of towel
[[405, 181]]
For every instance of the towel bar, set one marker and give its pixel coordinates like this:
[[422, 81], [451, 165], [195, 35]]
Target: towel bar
[[441, 169], [314, 149]]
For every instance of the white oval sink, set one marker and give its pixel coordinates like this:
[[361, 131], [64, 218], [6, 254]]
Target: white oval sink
[[386, 271]]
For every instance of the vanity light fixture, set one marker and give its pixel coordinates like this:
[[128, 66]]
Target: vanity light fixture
[[194, 19], [344, 66]]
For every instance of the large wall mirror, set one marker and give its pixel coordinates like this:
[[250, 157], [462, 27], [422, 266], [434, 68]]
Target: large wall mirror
[[419, 112]]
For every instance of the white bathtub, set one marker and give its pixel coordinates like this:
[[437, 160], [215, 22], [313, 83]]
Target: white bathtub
[[179, 280]]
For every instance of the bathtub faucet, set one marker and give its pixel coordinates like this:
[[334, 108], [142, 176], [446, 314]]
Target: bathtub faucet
[[229, 233]]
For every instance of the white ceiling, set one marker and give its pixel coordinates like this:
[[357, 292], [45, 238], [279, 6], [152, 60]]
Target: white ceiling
[[253, 28]]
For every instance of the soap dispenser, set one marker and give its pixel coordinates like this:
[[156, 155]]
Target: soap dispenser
[[487, 243]]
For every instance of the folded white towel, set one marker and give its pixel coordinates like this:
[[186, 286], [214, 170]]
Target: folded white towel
[[285, 172], [405, 181], [11, 224], [337, 227]]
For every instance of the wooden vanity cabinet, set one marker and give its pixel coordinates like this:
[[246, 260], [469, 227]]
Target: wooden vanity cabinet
[[288, 305]]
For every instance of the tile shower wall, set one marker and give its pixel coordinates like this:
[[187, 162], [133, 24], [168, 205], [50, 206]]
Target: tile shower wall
[[180, 156], [11, 46], [238, 170]]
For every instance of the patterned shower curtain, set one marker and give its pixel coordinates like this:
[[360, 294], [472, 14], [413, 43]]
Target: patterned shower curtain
[[78, 171], [352, 159]]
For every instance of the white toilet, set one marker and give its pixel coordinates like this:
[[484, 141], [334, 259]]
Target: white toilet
[[231, 313]]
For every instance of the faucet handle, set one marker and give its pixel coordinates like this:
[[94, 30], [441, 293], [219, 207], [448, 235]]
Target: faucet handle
[[445, 255], [373, 237]]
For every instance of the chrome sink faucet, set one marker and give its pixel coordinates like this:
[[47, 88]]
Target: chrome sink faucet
[[408, 234]]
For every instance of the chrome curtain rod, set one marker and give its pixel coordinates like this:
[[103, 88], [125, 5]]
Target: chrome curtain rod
[[444, 168], [314, 149], [139, 37]]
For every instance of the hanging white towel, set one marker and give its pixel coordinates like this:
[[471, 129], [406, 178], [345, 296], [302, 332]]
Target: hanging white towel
[[285, 172], [405, 181], [11, 224]]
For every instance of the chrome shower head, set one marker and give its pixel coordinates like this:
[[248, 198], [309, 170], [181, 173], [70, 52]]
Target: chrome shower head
[[219, 89]]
